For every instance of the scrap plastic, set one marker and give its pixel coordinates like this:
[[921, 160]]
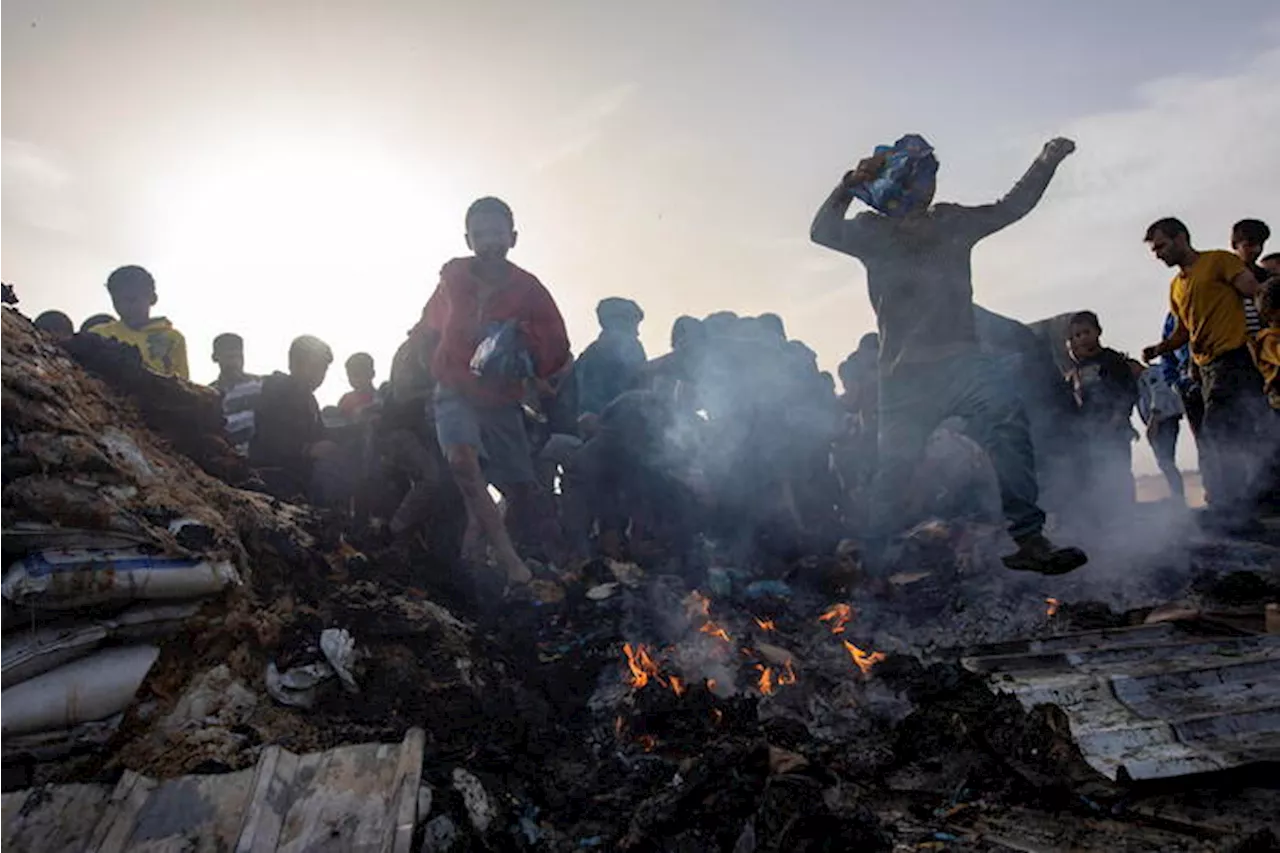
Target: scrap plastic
[[906, 178]]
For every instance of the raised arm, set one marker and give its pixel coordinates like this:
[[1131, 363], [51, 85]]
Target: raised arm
[[832, 230], [1025, 195]]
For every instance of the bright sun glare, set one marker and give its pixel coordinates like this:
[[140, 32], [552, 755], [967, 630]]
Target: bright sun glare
[[334, 237]]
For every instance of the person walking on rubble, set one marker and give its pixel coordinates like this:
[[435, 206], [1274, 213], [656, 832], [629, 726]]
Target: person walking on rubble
[[1206, 297], [479, 419], [917, 257]]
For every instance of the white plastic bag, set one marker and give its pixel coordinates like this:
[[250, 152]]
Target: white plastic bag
[[92, 688], [71, 578]]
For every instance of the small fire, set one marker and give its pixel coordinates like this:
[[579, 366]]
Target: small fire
[[642, 666], [765, 624], [714, 630], [766, 679], [677, 686], [1053, 606], [711, 684], [839, 616], [697, 604], [647, 742], [864, 660], [788, 674]]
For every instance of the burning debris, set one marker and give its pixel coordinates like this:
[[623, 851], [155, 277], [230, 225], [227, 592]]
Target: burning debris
[[650, 718]]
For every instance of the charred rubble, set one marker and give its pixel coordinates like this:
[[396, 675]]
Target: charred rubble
[[804, 709]]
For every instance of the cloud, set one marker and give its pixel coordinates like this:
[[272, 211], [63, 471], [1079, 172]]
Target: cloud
[[36, 188], [1196, 147], [582, 128]]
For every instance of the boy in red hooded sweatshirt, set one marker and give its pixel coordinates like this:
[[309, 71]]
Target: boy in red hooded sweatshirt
[[479, 420]]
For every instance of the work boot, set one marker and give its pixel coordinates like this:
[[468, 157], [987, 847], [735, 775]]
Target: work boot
[[1037, 554]]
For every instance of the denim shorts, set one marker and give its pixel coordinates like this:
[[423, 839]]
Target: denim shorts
[[496, 432]]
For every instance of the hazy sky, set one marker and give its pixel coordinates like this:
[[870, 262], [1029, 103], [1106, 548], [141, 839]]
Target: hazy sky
[[288, 168]]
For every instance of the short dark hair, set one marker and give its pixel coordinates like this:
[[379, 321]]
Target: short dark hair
[[96, 320], [1273, 256], [493, 205], [228, 340], [1085, 318], [1253, 230], [129, 277], [55, 322], [774, 324], [1169, 227], [358, 359], [686, 330], [305, 346], [1269, 297]]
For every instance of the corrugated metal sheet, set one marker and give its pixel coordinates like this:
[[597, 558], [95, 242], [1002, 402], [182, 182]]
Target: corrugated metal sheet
[[354, 798], [1152, 701]]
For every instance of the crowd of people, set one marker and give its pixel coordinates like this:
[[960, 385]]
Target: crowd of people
[[736, 433]]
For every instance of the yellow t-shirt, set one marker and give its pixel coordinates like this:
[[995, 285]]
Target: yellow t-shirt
[[163, 348], [1266, 353], [1209, 307]]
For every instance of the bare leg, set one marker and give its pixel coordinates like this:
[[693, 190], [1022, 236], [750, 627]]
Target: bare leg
[[465, 465]]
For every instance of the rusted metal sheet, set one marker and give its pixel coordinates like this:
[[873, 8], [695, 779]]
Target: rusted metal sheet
[[359, 798], [1153, 701]]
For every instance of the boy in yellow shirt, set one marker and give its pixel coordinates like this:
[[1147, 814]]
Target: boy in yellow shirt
[[133, 292], [1266, 348]]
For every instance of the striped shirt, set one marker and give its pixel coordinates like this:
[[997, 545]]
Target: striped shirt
[[238, 403]]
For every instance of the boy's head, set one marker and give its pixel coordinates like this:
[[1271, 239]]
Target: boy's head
[[622, 315], [1270, 263], [1083, 335], [309, 360], [1269, 302], [228, 353], [686, 331], [360, 371], [1170, 241], [773, 324], [1248, 236], [55, 323], [96, 320], [133, 292], [491, 228]]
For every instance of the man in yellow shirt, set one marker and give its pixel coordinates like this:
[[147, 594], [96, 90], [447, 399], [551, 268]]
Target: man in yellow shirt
[[1206, 298], [133, 292]]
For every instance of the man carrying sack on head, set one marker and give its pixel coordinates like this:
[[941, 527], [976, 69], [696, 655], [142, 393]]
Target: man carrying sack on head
[[931, 368]]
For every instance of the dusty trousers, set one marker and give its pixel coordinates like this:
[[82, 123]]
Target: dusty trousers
[[978, 388], [1235, 416]]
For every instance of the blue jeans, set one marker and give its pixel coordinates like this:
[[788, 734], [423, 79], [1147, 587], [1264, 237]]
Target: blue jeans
[[980, 389]]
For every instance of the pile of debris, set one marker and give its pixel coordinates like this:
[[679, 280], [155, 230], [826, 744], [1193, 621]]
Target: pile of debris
[[293, 684]]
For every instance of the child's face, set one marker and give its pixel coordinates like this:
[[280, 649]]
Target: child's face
[[360, 376], [133, 305], [1083, 340], [490, 235]]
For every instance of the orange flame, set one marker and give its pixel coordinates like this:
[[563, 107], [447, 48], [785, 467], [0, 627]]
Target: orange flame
[[641, 665], [765, 624], [677, 686], [647, 742], [864, 660], [711, 684], [766, 679], [714, 630], [788, 674], [1053, 606], [839, 615]]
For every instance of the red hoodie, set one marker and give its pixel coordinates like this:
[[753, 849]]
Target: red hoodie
[[455, 314]]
